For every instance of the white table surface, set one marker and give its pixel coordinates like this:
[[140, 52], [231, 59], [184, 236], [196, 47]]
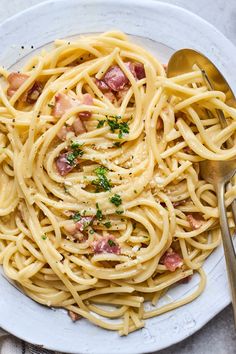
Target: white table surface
[[218, 336]]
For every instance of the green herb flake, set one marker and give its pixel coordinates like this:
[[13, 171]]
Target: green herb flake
[[119, 212], [115, 125], [43, 237], [91, 231], [76, 216], [51, 105], [76, 152], [66, 189], [101, 123], [99, 215], [111, 243], [116, 199], [102, 182], [107, 224]]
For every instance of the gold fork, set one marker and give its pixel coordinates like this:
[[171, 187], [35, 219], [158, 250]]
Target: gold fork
[[218, 173]]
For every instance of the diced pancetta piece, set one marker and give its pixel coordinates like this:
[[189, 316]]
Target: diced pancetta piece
[[137, 69], [63, 103], [195, 220], [34, 92], [115, 78], [106, 244], [102, 85], [63, 165], [111, 97], [185, 280], [171, 260], [15, 80], [121, 94], [187, 150], [74, 316], [88, 100], [83, 223], [62, 134], [159, 124], [78, 125]]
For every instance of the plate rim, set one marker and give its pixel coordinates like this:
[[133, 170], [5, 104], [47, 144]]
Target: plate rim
[[148, 4]]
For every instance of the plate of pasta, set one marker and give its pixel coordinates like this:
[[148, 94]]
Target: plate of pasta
[[107, 230]]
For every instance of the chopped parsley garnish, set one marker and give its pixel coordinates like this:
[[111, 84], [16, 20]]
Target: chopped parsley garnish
[[99, 215], [76, 216], [75, 145], [116, 199], [101, 170], [111, 243], [51, 105], [101, 123], [65, 189], [112, 121], [44, 237], [102, 182], [91, 231], [119, 212], [76, 152], [107, 224]]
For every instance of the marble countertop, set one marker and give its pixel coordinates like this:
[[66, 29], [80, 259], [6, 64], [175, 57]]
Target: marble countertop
[[219, 335]]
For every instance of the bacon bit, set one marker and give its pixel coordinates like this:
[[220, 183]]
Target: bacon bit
[[63, 165], [115, 78], [102, 85], [137, 69], [62, 134], [171, 260], [88, 100], [62, 104], [195, 220], [187, 150], [111, 97], [159, 123], [15, 80], [34, 92], [84, 222], [74, 316], [106, 245], [121, 94], [185, 280], [78, 126]]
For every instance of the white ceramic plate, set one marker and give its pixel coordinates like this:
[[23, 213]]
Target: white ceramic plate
[[166, 27]]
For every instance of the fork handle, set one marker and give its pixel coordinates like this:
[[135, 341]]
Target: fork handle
[[230, 256], [233, 204], [233, 207]]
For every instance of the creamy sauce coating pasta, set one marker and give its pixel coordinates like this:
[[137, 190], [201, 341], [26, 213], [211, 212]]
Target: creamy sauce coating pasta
[[101, 201]]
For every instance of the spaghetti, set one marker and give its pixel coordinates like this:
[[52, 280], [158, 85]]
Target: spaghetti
[[101, 198]]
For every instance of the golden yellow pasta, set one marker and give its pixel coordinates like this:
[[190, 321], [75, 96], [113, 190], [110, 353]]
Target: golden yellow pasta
[[101, 201]]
